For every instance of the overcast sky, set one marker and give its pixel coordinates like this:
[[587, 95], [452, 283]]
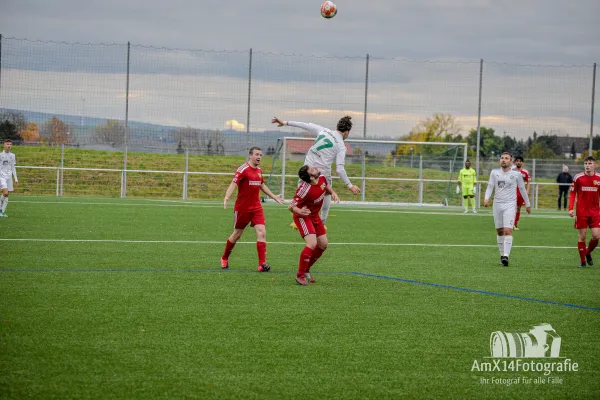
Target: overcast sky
[[533, 32]]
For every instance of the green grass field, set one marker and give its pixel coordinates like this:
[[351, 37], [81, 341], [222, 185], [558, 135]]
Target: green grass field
[[122, 299]]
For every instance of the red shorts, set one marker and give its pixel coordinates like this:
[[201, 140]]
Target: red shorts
[[587, 222], [242, 218], [310, 225], [520, 200]]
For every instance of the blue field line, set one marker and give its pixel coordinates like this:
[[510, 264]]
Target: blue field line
[[361, 274], [468, 290]]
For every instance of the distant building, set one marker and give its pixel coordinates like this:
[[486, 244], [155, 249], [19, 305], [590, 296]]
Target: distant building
[[565, 144]]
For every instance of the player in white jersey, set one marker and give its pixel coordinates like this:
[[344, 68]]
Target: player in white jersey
[[329, 147], [8, 169], [504, 183]]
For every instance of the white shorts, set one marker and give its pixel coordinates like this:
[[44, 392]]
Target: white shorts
[[6, 184], [504, 215]]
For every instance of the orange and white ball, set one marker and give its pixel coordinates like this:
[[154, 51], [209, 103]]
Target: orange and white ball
[[328, 9]]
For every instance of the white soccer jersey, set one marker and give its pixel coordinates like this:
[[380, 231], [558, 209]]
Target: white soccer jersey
[[8, 165], [505, 185], [329, 147]]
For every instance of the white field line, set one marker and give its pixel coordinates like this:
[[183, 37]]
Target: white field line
[[182, 203], [298, 243]]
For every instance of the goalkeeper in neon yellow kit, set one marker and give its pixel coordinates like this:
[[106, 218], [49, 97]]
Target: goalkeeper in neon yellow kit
[[466, 183]]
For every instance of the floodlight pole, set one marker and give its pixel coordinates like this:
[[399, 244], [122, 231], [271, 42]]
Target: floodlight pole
[[478, 132], [592, 113]]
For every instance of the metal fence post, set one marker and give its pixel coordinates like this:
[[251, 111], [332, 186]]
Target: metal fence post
[[62, 167], [0, 69], [124, 177], [478, 201], [57, 182], [185, 175], [420, 179], [592, 113], [363, 184], [283, 156], [366, 98], [534, 192], [249, 97]]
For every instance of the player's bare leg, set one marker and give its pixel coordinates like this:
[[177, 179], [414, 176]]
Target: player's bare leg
[[3, 202], [322, 244], [261, 248], [593, 244], [517, 217], [504, 244], [305, 257], [231, 241]]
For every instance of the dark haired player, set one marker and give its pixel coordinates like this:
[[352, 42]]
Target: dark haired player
[[306, 205]]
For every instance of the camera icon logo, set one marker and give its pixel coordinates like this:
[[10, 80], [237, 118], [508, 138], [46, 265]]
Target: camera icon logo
[[541, 341]]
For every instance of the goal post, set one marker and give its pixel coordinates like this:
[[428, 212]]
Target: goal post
[[388, 172]]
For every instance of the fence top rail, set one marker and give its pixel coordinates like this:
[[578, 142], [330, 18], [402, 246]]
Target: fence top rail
[[384, 141]]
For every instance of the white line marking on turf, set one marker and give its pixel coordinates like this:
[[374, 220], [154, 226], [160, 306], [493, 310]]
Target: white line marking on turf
[[282, 243], [175, 203]]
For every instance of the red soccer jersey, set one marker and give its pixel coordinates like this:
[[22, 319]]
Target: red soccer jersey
[[249, 181], [585, 188], [311, 196], [526, 178]]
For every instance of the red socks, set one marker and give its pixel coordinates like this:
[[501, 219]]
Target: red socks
[[517, 217], [305, 258], [228, 249], [592, 245], [582, 251], [261, 249], [317, 253]]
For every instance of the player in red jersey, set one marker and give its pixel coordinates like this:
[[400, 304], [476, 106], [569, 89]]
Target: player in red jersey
[[585, 191], [526, 177], [248, 210], [306, 205]]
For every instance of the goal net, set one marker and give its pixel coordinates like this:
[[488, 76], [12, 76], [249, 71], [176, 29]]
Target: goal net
[[387, 172]]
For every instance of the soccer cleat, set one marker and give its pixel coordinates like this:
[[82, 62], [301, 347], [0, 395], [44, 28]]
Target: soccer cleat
[[516, 228], [263, 268], [474, 211], [466, 212], [293, 225], [588, 258], [505, 261], [582, 265], [301, 281], [1, 215], [224, 264], [309, 277]]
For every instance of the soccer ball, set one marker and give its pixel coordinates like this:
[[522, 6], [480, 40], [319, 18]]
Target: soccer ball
[[328, 9]]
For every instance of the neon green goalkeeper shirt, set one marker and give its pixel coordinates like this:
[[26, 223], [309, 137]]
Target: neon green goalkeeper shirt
[[467, 177]]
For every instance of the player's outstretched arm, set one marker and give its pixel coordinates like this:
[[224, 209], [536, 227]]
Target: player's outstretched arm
[[228, 193], [313, 128], [268, 192]]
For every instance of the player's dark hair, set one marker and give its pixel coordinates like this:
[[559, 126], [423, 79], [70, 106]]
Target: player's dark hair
[[519, 158], [506, 152], [590, 158], [344, 124], [7, 140], [303, 174], [252, 150], [467, 160]]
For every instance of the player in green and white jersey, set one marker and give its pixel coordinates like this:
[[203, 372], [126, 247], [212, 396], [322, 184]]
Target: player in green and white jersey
[[329, 147]]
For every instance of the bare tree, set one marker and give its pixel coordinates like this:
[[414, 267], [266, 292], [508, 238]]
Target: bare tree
[[113, 133], [55, 131]]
